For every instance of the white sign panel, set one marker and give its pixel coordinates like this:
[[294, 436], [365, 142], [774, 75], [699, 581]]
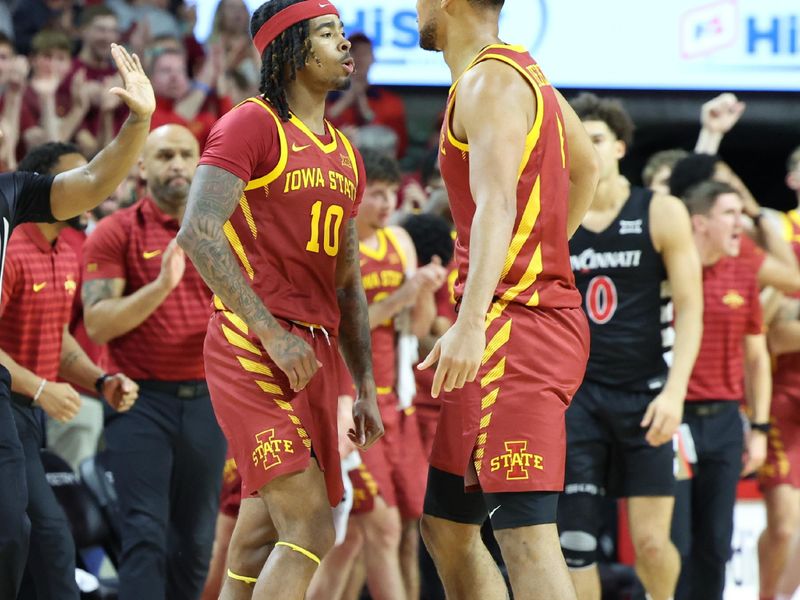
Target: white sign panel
[[675, 44]]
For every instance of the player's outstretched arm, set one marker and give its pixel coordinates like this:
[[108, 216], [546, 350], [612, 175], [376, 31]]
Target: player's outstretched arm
[[494, 112], [671, 230], [584, 166], [81, 189], [758, 374], [212, 199], [355, 341]]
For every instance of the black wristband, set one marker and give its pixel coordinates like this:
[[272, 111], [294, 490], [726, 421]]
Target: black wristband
[[762, 427], [99, 382]]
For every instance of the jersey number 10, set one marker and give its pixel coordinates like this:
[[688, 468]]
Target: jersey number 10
[[330, 230]]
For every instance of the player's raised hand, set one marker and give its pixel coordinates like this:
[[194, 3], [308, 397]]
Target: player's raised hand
[[721, 114], [137, 92], [293, 356], [458, 353], [368, 426], [662, 418]]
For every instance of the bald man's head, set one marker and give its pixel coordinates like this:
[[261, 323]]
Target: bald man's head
[[168, 163]]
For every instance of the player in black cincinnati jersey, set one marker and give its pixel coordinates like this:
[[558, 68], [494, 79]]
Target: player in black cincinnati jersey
[[630, 250], [29, 197]]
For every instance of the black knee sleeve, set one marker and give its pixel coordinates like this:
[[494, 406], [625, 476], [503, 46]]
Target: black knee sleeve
[[579, 524]]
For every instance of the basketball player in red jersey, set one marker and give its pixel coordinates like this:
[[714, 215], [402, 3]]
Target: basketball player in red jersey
[[520, 173], [269, 225]]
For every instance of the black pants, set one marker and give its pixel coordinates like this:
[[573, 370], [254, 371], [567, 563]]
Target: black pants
[[702, 525], [51, 558], [14, 523], [166, 454]]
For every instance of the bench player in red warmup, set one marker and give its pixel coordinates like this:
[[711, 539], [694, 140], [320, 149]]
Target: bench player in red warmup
[[520, 173]]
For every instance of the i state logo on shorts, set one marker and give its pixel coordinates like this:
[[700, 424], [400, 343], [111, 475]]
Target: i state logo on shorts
[[268, 451], [517, 460]]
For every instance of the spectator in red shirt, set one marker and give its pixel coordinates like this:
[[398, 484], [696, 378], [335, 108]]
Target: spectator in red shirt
[[99, 29], [15, 116], [151, 307], [365, 105], [36, 347], [179, 100], [733, 349]]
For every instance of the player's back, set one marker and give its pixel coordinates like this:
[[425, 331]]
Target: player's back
[[621, 277], [536, 271]]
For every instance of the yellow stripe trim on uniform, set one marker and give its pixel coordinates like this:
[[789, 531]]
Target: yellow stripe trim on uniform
[[563, 143], [254, 367], [485, 420], [378, 253], [535, 267], [218, 303], [450, 135], [303, 551], [526, 224], [307, 443], [270, 388], [479, 453], [482, 439], [496, 310], [240, 342], [293, 418], [248, 216], [302, 432], [352, 155], [284, 152], [283, 405], [392, 237], [238, 248], [236, 321], [495, 373], [383, 391], [242, 578], [486, 402], [326, 148], [498, 340]]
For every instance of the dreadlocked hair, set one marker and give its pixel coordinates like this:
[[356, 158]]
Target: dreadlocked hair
[[281, 60]]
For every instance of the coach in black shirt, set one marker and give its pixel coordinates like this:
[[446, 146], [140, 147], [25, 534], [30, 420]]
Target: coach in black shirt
[[28, 197]]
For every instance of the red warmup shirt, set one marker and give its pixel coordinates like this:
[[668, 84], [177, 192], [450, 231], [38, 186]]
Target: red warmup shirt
[[39, 284], [731, 311], [382, 273], [289, 226], [168, 345]]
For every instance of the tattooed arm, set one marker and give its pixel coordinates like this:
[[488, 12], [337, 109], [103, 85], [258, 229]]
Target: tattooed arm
[[355, 342], [212, 199]]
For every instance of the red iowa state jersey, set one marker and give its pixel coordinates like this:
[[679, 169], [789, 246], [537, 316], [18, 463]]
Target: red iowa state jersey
[[382, 273], [537, 269], [290, 223]]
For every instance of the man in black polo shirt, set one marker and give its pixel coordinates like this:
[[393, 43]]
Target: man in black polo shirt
[[28, 197]]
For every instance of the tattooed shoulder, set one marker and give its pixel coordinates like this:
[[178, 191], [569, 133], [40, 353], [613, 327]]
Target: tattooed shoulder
[[215, 192]]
